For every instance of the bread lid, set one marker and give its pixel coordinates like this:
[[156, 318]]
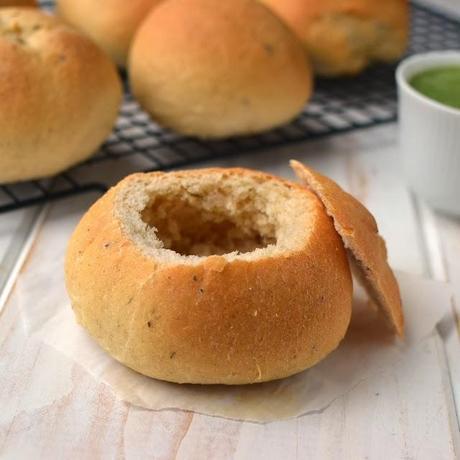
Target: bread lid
[[359, 232]]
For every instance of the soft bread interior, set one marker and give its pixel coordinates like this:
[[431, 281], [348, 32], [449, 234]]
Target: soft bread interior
[[187, 216], [186, 228]]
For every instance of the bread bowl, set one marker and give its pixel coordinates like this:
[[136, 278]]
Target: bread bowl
[[217, 69], [110, 23], [60, 95], [343, 37], [226, 276]]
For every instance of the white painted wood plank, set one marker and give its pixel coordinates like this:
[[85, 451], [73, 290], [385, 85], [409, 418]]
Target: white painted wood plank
[[18, 250], [8, 225], [13, 225], [449, 237], [445, 256]]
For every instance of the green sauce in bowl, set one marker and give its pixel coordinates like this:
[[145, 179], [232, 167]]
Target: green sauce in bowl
[[441, 84]]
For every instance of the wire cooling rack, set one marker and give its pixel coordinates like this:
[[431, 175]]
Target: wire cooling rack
[[138, 144]]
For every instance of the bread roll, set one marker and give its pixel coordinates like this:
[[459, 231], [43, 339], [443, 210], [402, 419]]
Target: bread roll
[[216, 69], [344, 36], [226, 276], [17, 3], [60, 95], [110, 23], [359, 232]]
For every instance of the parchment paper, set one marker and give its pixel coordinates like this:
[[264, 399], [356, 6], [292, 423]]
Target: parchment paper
[[368, 349]]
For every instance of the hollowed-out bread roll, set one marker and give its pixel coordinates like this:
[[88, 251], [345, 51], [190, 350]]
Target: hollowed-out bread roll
[[226, 276], [216, 68], [344, 36], [60, 95], [359, 232], [110, 23]]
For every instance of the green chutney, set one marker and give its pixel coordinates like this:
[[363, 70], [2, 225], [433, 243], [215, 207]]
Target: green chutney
[[441, 84]]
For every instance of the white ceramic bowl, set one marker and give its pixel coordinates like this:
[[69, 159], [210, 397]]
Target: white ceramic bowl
[[429, 135]]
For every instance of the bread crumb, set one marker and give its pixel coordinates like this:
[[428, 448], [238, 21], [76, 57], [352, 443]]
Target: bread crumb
[[259, 376]]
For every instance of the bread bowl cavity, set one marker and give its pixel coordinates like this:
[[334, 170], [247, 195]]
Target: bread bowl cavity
[[218, 214]]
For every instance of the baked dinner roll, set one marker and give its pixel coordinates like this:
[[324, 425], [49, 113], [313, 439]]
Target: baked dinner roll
[[216, 69], [110, 23], [60, 95], [224, 276], [17, 3], [344, 36], [359, 232]]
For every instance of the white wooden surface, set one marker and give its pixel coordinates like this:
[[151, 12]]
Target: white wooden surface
[[51, 408]]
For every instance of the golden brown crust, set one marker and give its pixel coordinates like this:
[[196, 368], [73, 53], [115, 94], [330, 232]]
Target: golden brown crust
[[60, 95], [110, 23], [6, 3], [344, 36], [215, 321], [359, 232], [216, 69]]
